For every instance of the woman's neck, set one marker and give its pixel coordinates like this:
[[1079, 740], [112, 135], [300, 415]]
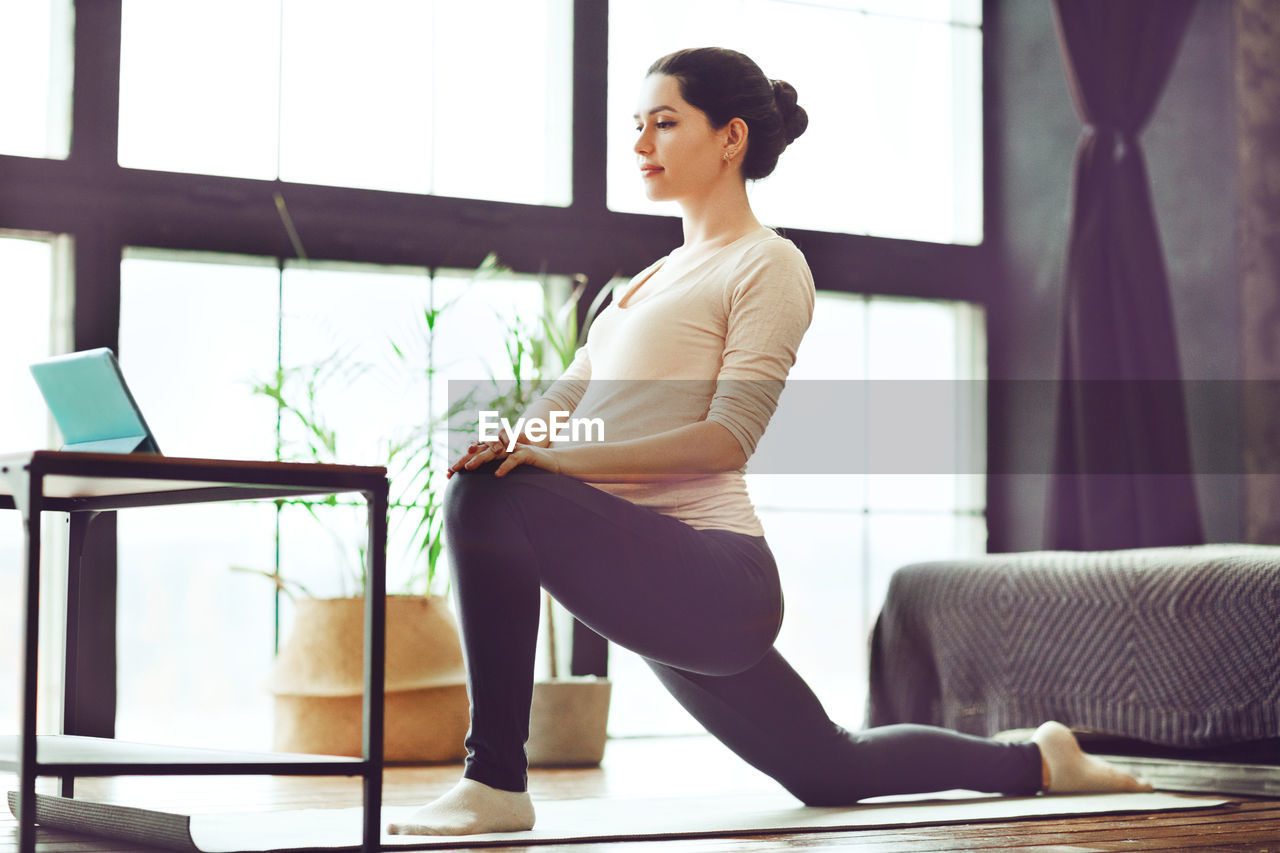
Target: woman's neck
[[718, 218]]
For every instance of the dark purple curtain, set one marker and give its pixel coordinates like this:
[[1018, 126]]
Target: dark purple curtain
[[1122, 464]]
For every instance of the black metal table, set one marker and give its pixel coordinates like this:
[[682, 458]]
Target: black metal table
[[86, 484]]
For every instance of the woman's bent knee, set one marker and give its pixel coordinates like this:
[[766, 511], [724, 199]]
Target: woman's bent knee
[[479, 496], [472, 499], [465, 488]]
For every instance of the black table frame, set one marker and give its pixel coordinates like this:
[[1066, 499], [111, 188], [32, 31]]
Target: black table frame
[[93, 483]]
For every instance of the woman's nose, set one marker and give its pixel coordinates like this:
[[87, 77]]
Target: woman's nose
[[643, 142]]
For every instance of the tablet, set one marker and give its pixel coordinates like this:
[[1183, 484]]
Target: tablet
[[91, 403]]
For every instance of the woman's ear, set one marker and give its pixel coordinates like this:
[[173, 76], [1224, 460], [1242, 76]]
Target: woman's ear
[[735, 139]]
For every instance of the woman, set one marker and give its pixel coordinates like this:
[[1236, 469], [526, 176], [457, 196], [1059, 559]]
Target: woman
[[649, 537]]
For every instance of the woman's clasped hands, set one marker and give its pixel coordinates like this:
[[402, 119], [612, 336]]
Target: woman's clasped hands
[[523, 453]]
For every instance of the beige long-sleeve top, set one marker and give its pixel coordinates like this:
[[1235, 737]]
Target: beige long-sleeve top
[[715, 343]]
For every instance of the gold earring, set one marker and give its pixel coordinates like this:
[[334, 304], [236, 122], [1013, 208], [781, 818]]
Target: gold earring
[[728, 155]]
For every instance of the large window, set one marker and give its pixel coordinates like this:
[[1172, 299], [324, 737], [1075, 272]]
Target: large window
[[458, 99], [894, 96]]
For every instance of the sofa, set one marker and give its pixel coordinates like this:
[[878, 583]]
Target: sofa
[[1177, 647]]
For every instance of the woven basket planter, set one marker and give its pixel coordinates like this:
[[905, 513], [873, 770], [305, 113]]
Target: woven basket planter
[[318, 682]]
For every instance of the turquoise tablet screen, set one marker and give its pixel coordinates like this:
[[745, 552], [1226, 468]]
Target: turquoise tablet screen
[[91, 403]]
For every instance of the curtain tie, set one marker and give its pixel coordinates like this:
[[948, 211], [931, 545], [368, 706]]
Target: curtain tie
[[1118, 141]]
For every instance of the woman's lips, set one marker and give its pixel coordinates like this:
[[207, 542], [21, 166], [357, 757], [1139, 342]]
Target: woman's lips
[[649, 171]]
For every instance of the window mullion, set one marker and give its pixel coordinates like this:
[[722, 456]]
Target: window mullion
[[95, 111], [590, 103]]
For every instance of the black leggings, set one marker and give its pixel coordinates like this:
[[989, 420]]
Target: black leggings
[[703, 608]]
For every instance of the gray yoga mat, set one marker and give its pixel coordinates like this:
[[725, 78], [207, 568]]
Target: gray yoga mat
[[603, 819]]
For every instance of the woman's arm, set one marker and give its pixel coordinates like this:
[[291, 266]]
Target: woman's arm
[[692, 450]]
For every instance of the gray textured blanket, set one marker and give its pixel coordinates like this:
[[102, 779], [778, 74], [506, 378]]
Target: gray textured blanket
[[1176, 646]]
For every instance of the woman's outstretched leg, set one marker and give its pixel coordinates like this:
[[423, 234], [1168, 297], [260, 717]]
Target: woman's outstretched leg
[[770, 717]]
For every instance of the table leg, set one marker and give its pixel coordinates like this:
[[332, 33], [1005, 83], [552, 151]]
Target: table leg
[[26, 491], [375, 638], [89, 665], [78, 523]]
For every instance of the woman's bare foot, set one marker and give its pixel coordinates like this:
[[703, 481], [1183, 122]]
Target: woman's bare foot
[[1072, 770], [470, 808]]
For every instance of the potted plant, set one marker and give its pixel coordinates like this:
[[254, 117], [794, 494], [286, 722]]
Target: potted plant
[[317, 676], [569, 715]]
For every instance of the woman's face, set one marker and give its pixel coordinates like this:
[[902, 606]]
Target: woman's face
[[679, 154]]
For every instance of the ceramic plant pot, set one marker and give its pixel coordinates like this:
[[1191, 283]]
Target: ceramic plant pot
[[568, 721]]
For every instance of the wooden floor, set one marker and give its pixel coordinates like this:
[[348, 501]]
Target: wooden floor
[[671, 767]]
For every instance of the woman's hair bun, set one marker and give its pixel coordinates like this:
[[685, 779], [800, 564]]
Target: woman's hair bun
[[794, 118]]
